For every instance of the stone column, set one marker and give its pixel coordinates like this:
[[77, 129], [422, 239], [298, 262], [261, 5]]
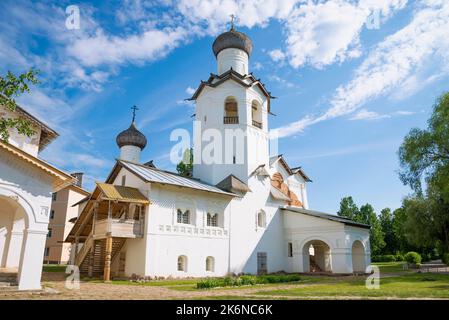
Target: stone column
[[30, 267]]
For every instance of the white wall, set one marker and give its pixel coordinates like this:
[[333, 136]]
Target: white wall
[[30, 189], [27, 144], [235, 58]]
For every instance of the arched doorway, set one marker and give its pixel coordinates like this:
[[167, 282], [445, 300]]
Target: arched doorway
[[22, 241], [358, 257], [317, 257], [13, 222]]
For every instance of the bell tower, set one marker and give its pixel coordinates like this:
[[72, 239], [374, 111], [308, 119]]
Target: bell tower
[[231, 118]]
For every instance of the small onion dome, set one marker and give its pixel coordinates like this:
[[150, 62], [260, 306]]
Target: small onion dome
[[131, 137], [232, 39]]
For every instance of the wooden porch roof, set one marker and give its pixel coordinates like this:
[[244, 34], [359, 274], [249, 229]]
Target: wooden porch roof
[[100, 197]]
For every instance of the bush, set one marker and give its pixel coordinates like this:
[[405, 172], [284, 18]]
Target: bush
[[246, 280], [399, 257], [384, 258], [413, 258], [208, 283], [445, 258]]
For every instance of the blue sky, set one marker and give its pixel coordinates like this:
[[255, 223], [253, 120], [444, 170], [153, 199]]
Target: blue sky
[[351, 77]]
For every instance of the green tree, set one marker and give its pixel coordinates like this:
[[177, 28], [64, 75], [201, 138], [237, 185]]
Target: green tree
[[185, 166], [386, 223], [348, 208], [367, 215], [12, 86], [424, 156], [399, 233]]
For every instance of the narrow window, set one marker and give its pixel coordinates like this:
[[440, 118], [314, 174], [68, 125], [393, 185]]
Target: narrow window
[[52, 214], [182, 263], [53, 196], [123, 180], [179, 216], [290, 249], [47, 251], [261, 219], [210, 264], [49, 233]]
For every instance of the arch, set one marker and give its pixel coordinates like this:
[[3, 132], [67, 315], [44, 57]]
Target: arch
[[316, 256], [210, 264], [231, 111], [182, 263], [261, 219], [256, 114], [358, 257], [12, 195]]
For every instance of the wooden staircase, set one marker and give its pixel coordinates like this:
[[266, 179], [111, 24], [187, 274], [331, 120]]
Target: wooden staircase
[[98, 255]]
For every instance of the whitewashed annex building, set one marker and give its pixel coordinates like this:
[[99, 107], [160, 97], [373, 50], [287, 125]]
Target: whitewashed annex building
[[26, 187], [247, 216]]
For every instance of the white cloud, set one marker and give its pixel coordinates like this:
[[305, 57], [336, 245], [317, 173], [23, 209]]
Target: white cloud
[[148, 46], [282, 81], [320, 33], [258, 66], [277, 55], [391, 62], [190, 90], [368, 115]]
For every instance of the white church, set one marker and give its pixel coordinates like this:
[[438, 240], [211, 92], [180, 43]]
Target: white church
[[246, 214]]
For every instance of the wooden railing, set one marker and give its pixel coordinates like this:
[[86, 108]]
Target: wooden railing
[[118, 228], [79, 256], [230, 120], [257, 124]]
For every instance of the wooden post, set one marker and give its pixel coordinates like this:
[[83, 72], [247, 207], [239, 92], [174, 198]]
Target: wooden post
[[107, 260], [75, 255], [91, 260], [109, 217]]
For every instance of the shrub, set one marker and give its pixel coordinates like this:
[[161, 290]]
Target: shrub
[[445, 258], [248, 280], [413, 258], [399, 257], [208, 283], [384, 258]]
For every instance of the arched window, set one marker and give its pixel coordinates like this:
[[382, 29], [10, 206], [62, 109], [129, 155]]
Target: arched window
[[210, 264], [182, 263], [256, 114], [261, 219], [212, 219], [231, 112], [183, 216]]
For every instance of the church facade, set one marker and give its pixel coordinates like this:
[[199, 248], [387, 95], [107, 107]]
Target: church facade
[[241, 212]]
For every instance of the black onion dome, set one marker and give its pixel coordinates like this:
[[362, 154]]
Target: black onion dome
[[232, 39], [131, 137]]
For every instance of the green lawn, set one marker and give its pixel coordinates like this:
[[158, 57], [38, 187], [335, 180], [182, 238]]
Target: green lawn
[[54, 268], [416, 285], [395, 282]]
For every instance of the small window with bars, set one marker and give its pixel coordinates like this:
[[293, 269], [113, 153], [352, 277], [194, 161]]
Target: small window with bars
[[183, 216], [212, 219]]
